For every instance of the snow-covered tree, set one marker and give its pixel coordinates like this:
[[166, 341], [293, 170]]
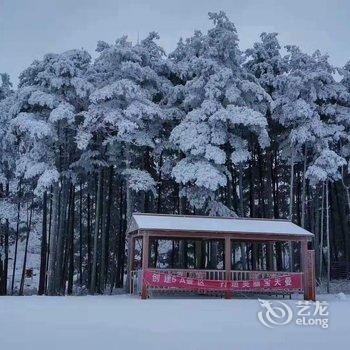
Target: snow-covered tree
[[52, 92], [7, 154], [125, 124], [305, 109], [6, 151], [129, 108], [342, 112], [224, 107], [265, 62]]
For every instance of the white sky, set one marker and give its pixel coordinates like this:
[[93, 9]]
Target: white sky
[[31, 28]]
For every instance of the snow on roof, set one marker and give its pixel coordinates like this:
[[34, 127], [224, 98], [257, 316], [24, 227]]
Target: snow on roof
[[214, 224]]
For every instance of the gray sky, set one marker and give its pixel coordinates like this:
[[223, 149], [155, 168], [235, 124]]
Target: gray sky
[[31, 28]]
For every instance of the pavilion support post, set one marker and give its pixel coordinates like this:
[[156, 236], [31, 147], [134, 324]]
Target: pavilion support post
[[303, 249], [131, 259], [308, 268], [145, 259], [228, 261], [312, 275]]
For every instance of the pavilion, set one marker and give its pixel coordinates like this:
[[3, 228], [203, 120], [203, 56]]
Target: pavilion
[[224, 255]]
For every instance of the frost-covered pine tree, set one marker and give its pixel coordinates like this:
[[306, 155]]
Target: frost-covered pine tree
[[265, 62], [52, 92], [304, 109], [128, 109], [6, 150], [223, 108], [342, 112], [7, 179], [124, 126]]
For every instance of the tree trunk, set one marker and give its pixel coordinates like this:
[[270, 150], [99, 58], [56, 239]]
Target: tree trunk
[[108, 222], [60, 238], [29, 226], [251, 191], [93, 284], [159, 185], [328, 239], [48, 241], [6, 257], [104, 243], [241, 199], [291, 195], [322, 230], [291, 207], [71, 242], [303, 196], [53, 241], [129, 194], [118, 242], [16, 239], [81, 235], [88, 233], [269, 183], [43, 252]]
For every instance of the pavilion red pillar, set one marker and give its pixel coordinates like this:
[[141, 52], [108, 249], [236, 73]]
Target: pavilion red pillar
[[228, 261], [145, 258], [308, 268]]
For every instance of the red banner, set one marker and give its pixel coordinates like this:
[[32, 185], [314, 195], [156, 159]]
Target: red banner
[[289, 282]]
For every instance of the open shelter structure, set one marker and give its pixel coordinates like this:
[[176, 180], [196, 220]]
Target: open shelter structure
[[219, 255]]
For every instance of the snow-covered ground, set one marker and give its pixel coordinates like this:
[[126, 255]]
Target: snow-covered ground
[[124, 322]]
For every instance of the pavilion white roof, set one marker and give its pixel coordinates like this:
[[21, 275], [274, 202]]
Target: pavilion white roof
[[214, 224]]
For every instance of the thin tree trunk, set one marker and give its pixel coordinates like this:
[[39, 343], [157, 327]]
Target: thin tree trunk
[[276, 195], [317, 229], [129, 194], [251, 190], [328, 239], [60, 239], [291, 186], [269, 183], [29, 225], [71, 242], [290, 245], [103, 246], [88, 232], [53, 241], [96, 233], [6, 246], [241, 199], [6, 258], [322, 230], [43, 252], [108, 220], [159, 186], [118, 244], [48, 240], [16, 239], [81, 235], [303, 196]]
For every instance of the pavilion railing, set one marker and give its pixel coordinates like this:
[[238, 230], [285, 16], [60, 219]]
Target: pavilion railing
[[239, 275], [194, 273]]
